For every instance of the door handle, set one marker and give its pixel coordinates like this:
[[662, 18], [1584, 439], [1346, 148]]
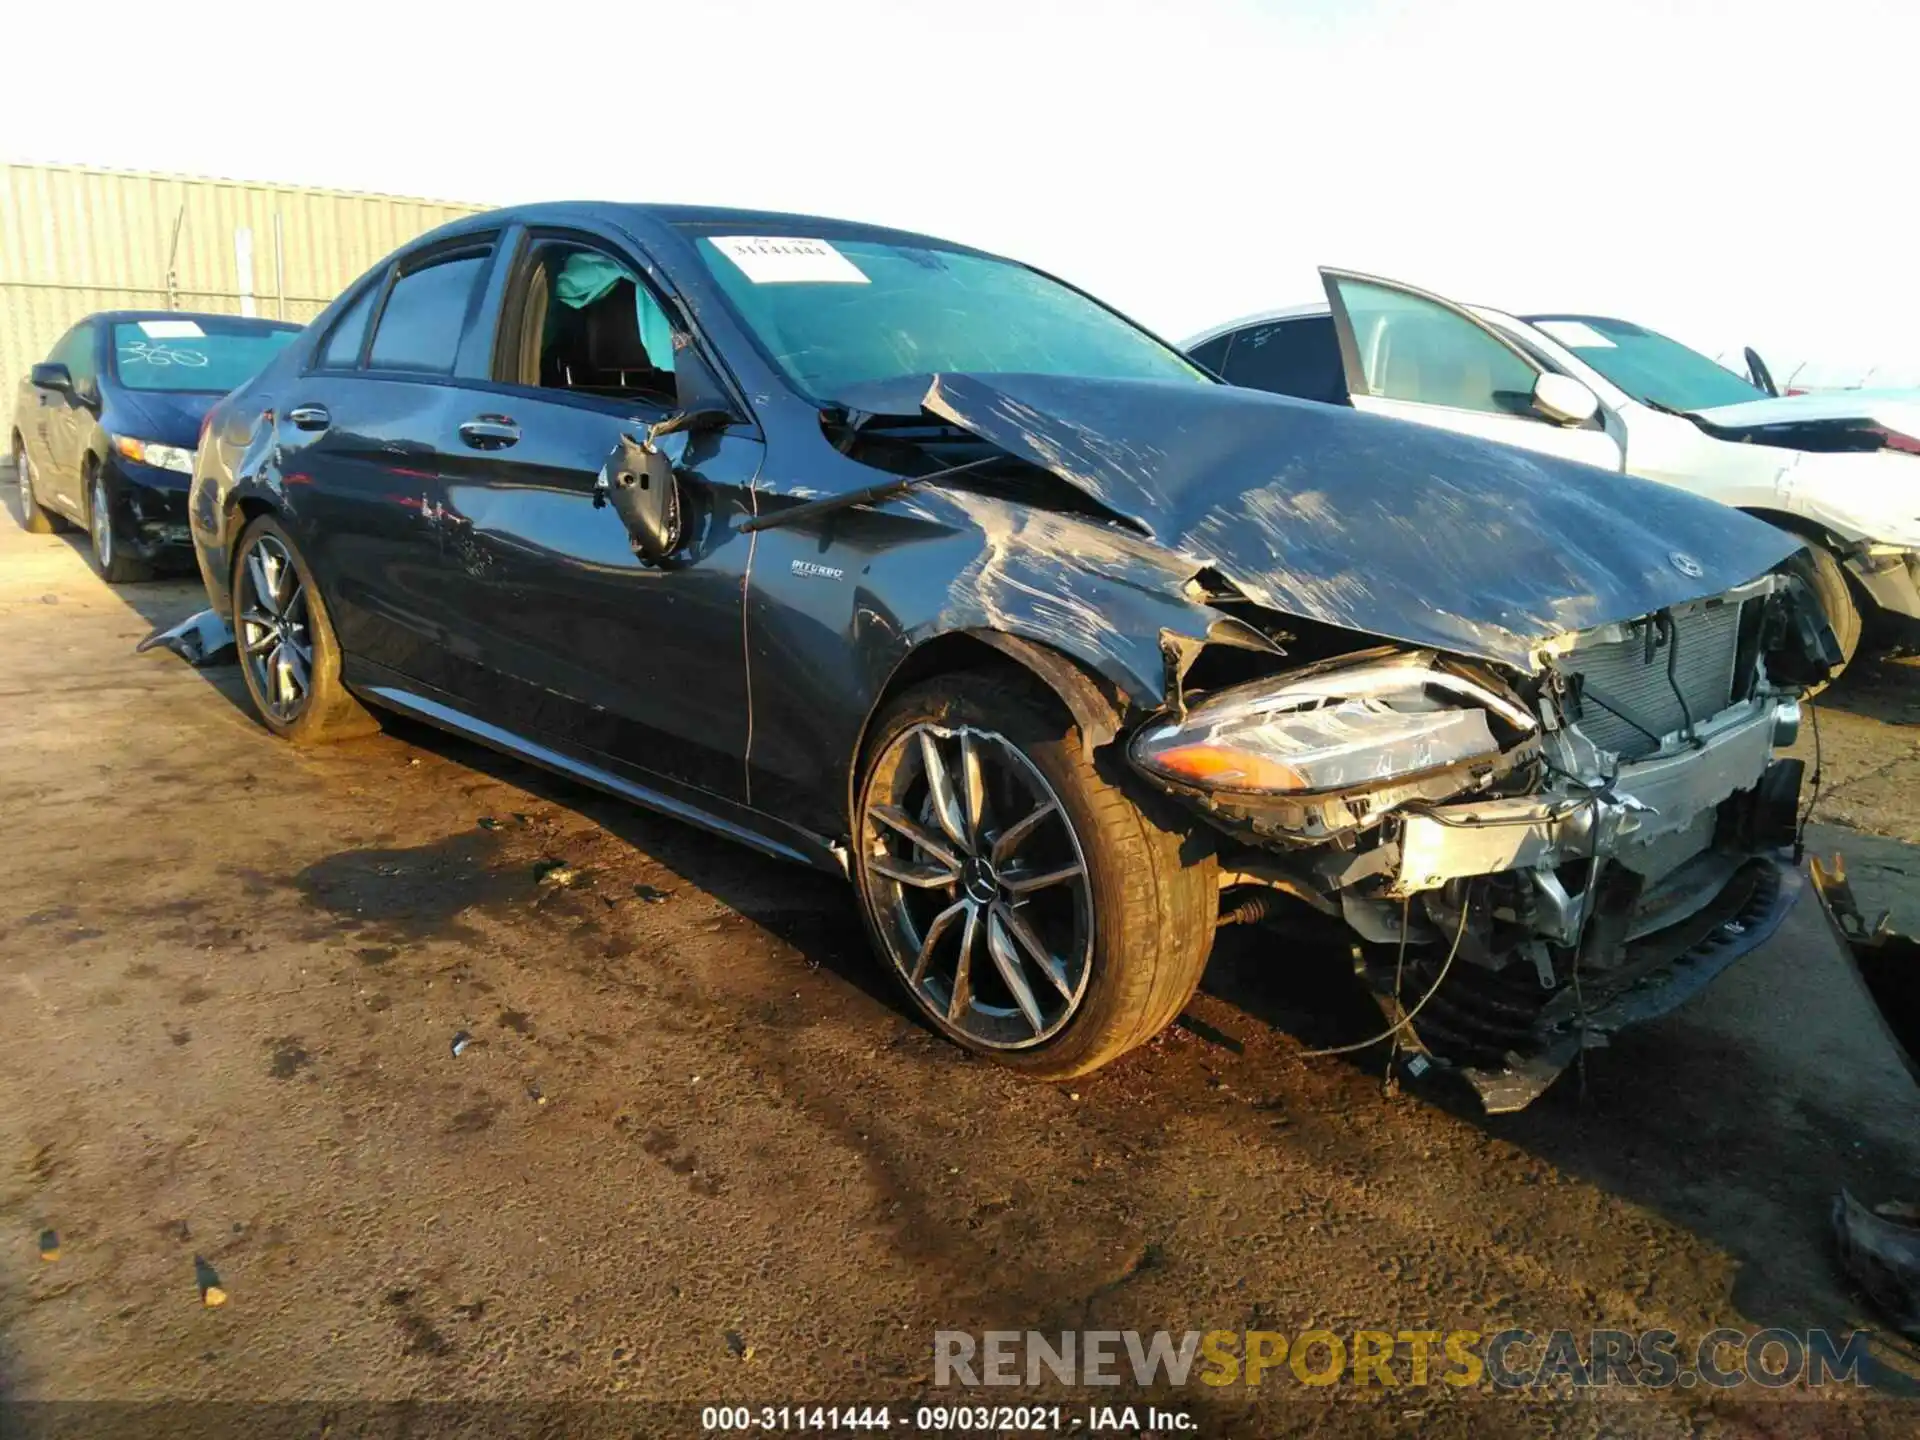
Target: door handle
[[490, 432], [310, 417]]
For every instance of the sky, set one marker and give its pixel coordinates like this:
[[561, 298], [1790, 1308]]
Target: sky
[[1732, 174]]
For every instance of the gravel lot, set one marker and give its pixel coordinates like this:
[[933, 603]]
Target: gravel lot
[[696, 1150]]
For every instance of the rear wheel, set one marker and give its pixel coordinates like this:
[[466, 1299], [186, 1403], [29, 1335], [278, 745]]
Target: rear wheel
[[33, 519], [1818, 567], [1032, 910], [288, 653], [110, 559]]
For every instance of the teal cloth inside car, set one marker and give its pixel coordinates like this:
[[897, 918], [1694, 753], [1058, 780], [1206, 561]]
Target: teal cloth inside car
[[587, 276]]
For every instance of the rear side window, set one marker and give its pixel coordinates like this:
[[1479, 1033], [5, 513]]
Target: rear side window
[[1289, 357], [426, 311], [342, 350]]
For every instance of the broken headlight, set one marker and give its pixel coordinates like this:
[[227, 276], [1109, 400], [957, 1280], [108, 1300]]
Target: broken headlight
[[1335, 728]]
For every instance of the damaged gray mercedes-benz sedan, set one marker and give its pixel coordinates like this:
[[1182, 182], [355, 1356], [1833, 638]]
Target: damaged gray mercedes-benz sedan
[[908, 561]]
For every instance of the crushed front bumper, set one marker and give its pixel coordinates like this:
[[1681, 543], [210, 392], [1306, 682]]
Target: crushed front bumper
[[1626, 901], [1684, 960], [148, 510]]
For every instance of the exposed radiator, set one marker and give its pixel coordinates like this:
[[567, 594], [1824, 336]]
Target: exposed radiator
[[1624, 676]]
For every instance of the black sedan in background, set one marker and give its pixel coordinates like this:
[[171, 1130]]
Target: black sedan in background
[[104, 428], [885, 555]]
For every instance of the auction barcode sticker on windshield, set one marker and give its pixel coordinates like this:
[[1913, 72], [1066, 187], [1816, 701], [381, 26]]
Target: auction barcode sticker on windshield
[[172, 329], [780, 260], [1576, 334]]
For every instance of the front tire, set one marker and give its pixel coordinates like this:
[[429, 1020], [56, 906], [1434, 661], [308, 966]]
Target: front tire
[[288, 653], [1823, 574], [33, 519], [1031, 909], [110, 559]]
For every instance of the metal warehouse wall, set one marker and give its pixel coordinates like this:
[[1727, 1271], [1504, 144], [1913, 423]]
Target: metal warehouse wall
[[74, 240]]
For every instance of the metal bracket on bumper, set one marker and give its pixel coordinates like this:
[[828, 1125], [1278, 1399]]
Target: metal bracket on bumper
[[1653, 797]]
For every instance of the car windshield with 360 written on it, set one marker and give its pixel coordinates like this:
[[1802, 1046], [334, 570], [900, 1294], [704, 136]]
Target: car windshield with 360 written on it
[[914, 564]]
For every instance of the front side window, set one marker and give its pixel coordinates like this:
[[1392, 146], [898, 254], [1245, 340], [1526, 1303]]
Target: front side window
[[197, 354], [1647, 365], [588, 324], [1413, 349], [836, 314], [425, 314], [75, 351]]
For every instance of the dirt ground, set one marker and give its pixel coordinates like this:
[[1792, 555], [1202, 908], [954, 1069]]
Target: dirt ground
[[695, 1150]]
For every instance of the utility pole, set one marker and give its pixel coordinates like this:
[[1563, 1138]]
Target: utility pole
[[173, 260]]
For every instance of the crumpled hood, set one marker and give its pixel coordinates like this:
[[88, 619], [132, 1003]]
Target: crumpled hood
[[1380, 526], [1784, 419]]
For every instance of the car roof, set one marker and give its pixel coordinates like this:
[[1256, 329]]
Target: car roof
[[115, 317], [1584, 319], [1259, 317], [644, 221]]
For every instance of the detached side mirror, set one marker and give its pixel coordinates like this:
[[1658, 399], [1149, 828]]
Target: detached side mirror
[[1564, 400], [639, 483], [51, 375]]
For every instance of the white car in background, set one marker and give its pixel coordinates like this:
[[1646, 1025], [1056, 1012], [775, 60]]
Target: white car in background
[[1815, 377], [1840, 469]]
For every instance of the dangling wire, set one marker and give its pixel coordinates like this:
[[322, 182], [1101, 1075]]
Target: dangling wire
[[1399, 971], [1800, 830], [1592, 896], [1406, 1019]]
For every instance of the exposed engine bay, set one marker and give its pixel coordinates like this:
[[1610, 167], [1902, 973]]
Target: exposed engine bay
[[1536, 860]]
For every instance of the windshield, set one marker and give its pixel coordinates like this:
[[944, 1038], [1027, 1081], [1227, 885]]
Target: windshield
[[202, 353], [833, 315], [1646, 365]]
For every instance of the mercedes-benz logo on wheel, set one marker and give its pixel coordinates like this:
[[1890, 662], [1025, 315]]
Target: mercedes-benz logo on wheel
[[1686, 564]]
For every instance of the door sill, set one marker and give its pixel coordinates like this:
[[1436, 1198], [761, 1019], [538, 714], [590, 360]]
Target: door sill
[[711, 813]]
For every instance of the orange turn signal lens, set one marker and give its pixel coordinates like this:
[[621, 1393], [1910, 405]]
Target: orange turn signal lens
[[1206, 764]]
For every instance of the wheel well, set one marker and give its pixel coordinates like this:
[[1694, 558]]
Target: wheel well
[[1080, 696], [1814, 533], [1810, 530], [241, 513], [89, 467], [250, 508], [943, 655]]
